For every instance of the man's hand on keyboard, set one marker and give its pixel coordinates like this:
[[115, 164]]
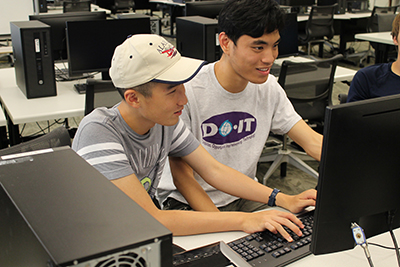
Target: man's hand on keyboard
[[297, 203], [273, 221]]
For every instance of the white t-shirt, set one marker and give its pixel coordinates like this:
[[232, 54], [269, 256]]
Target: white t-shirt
[[233, 127]]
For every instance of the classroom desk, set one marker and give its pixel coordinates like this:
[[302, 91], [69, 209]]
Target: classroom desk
[[68, 103], [342, 74], [348, 258], [383, 40]]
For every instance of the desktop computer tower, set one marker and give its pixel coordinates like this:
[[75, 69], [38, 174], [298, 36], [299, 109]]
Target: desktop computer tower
[[34, 65], [57, 210], [197, 37]]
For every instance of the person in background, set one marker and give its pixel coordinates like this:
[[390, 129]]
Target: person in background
[[380, 79]]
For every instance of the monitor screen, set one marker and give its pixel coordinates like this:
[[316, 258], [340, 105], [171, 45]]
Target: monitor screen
[[288, 45], [91, 44], [358, 174], [302, 3], [209, 9], [57, 24]]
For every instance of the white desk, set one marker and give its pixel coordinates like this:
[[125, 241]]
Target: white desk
[[68, 103], [59, 9], [341, 74], [345, 16], [349, 258], [378, 37], [383, 40]]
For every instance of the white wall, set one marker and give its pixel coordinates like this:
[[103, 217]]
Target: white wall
[[14, 10]]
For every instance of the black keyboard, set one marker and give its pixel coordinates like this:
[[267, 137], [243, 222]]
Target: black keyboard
[[268, 249]]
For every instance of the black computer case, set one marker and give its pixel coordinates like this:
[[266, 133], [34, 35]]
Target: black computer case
[[57, 210], [197, 37], [34, 65]]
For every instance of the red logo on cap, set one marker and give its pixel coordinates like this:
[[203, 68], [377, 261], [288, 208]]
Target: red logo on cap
[[170, 52]]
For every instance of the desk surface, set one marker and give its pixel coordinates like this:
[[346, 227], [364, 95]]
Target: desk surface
[[68, 103], [345, 16], [341, 74], [348, 258], [378, 37]]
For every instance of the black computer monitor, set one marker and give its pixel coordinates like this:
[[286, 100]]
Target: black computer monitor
[[359, 175], [76, 6], [288, 45], [57, 24], [91, 44], [297, 3], [209, 9]]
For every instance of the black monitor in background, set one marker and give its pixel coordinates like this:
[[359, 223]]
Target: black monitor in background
[[209, 9], [288, 46], [359, 173], [91, 44], [76, 6], [297, 3], [57, 24], [341, 7]]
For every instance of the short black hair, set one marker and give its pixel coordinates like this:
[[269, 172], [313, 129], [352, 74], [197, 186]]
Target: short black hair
[[250, 17]]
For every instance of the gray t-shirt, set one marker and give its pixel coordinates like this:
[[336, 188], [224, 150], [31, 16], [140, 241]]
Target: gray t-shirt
[[105, 141], [233, 127]]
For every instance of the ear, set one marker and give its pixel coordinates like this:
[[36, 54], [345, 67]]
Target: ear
[[132, 98], [395, 41], [224, 42]]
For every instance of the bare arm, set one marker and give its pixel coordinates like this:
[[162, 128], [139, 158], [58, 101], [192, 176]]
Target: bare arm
[[307, 138], [188, 186], [192, 222], [235, 183]]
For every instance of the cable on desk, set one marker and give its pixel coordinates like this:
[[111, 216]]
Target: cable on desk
[[359, 238], [390, 223]]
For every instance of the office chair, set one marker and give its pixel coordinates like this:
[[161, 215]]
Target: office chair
[[100, 93], [76, 6], [121, 6], [56, 138], [308, 86], [319, 28], [380, 21]]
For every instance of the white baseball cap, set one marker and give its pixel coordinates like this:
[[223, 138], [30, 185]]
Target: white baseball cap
[[149, 57]]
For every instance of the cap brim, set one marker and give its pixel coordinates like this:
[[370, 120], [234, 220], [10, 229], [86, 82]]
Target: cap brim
[[182, 71]]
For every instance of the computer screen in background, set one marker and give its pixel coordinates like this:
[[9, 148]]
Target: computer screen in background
[[57, 24], [288, 46], [91, 44], [209, 9], [359, 173]]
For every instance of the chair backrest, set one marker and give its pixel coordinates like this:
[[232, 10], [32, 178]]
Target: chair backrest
[[56, 138], [100, 93], [320, 22], [124, 4], [381, 18], [76, 6], [308, 86]]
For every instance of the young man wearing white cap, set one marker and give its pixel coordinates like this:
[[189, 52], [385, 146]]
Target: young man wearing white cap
[[130, 143]]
